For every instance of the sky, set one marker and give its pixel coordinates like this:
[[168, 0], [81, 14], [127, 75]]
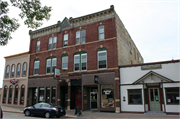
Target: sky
[[154, 25]]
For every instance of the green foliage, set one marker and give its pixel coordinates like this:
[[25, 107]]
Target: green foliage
[[31, 11]]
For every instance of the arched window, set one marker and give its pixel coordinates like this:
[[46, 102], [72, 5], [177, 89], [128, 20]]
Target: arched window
[[18, 70], [10, 94], [16, 94], [38, 46], [80, 61], [52, 43], [24, 69], [7, 72], [5, 94], [22, 95], [102, 58], [50, 64], [65, 61], [101, 32], [12, 71], [80, 37]]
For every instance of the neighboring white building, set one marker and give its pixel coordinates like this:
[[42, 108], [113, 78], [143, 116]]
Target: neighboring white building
[[150, 87]]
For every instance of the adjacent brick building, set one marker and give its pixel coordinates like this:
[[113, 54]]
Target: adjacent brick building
[[84, 49]]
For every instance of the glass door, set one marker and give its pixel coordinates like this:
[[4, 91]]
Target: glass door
[[93, 99], [154, 100]]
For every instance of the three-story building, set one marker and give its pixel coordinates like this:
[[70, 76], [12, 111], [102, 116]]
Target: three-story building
[[87, 50]]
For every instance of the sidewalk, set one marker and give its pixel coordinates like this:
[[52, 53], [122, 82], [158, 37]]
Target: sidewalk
[[99, 115]]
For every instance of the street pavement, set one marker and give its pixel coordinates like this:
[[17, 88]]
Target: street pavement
[[93, 114]]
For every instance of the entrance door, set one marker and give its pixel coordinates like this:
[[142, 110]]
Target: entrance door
[[93, 99], [154, 100]]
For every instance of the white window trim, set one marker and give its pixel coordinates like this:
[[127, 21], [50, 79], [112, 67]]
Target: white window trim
[[98, 58], [62, 62], [86, 61], [65, 40], [74, 61], [101, 33], [35, 67]]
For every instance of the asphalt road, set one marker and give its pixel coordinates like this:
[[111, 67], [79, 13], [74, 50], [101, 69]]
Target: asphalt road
[[9, 115]]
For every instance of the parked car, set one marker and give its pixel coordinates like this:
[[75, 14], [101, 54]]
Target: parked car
[[1, 113], [45, 109]]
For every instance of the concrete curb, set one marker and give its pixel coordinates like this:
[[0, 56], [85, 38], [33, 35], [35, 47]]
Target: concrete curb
[[70, 116]]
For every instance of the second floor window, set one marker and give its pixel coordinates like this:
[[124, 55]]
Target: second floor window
[[101, 32], [65, 61], [18, 70], [50, 65], [38, 46], [36, 67], [12, 71], [65, 40], [7, 72], [80, 61], [24, 69], [102, 59], [80, 37], [52, 43]]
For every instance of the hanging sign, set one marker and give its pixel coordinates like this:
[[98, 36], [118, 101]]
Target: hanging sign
[[57, 73], [14, 81]]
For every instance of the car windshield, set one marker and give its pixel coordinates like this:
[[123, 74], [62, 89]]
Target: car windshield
[[54, 105]]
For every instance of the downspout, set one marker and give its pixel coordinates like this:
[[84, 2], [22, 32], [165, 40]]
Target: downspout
[[119, 91]]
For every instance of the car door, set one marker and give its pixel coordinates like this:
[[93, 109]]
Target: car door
[[36, 109], [44, 107]]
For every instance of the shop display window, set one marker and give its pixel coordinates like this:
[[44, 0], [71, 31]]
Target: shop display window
[[22, 95], [53, 98], [107, 96], [41, 95], [10, 95], [5, 93], [16, 94], [47, 94], [135, 96], [172, 95]]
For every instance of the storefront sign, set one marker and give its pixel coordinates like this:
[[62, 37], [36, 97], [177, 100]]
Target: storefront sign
[[14, 81], [57, 73], [148, 67]]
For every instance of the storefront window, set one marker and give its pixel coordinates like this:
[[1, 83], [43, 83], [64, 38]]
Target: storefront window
[[47, 94], [22, 95], [10, 95], [41, 95], [5, 93], [107, 96], [53, 95], [135, 96], [16, 94], [172, 95]]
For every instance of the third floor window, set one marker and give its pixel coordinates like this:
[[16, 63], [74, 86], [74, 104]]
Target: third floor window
[[65, 40], [80, 37], [101, 32], [38, 46], [52, 43]]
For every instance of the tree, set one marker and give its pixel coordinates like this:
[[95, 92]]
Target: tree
[[31, 10]]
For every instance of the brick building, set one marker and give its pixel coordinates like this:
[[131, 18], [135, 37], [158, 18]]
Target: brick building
[[84, 49]]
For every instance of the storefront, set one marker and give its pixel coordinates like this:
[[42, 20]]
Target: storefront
[[153, 87], [42, 90], [98, 91]]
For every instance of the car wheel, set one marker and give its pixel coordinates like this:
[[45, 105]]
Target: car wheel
[[27, 113], [47, 115]]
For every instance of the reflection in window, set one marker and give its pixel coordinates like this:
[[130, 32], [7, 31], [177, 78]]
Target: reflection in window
[[65, 61], [52, 43], [7, 71], [134, 96], [80, 37], [50, 64], [10, 95], [38, 46], [41, 95], [172, 95], [101, 32], [36, 67], [24, 69], [47, 94], [107, 96], [65, 42], [16, 94], [5, 94], [53, 98], [80, 61], [22, 95], [18, 70], [12, 71], [102, 59]]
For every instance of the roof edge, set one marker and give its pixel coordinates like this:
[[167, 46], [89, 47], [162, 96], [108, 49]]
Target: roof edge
[[17, 55]]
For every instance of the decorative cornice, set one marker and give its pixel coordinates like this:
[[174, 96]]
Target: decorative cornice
[[45, 31], [17, 55]]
